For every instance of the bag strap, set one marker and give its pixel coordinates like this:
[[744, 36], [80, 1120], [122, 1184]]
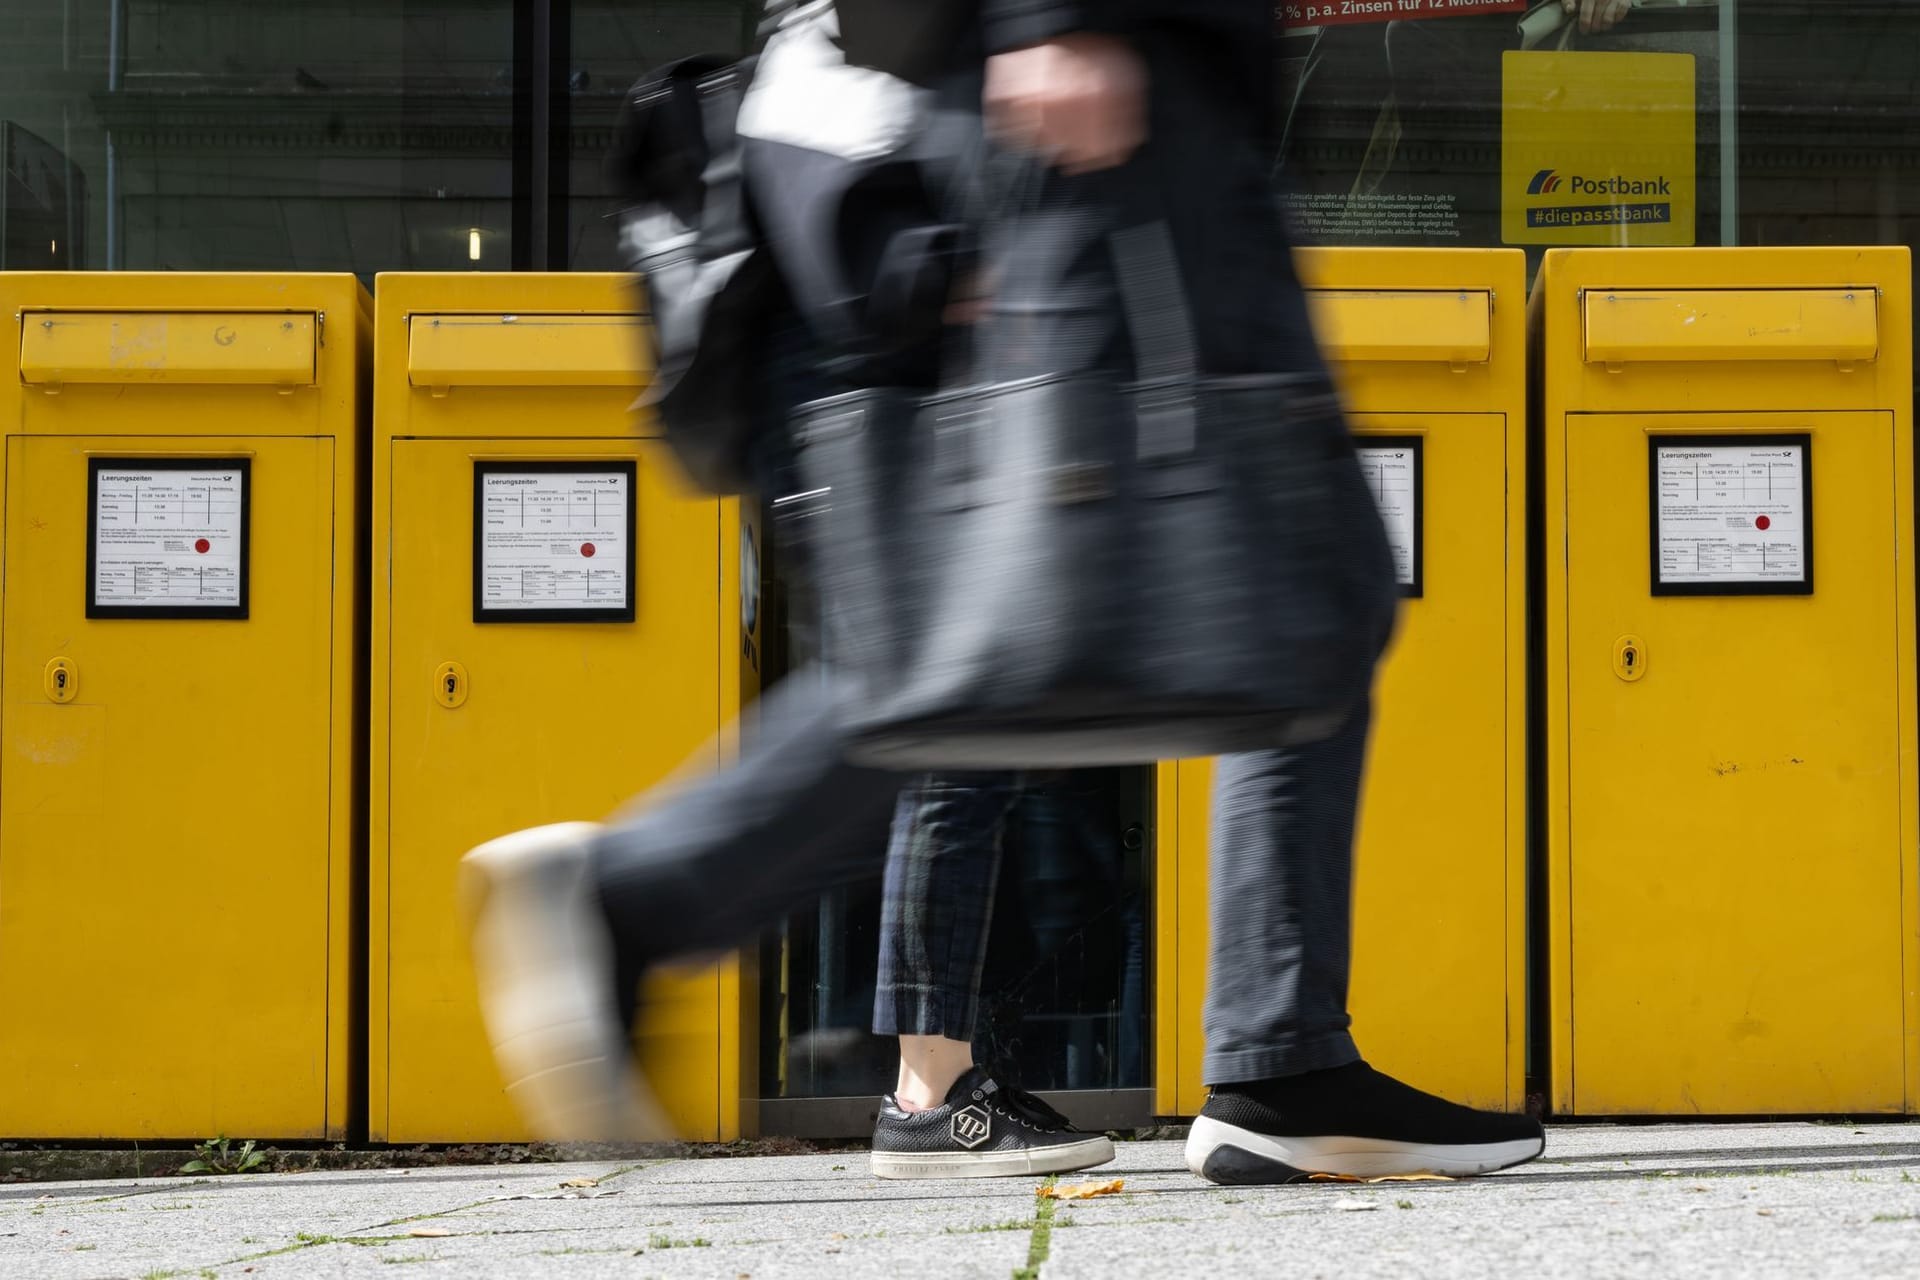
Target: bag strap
[[725, 217], [1160, 329]]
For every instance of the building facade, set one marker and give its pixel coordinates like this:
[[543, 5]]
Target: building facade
[[368, 136]]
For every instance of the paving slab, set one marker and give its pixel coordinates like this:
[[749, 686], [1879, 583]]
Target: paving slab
[[1681, 1200], [1759, 1200]]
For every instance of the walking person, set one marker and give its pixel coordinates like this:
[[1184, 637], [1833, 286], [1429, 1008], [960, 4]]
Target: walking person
[[1119, 98]]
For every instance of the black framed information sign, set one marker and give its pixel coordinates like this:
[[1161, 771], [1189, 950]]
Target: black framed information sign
[[1732, 515], [553, 541], [1395, 469], [169, 537]]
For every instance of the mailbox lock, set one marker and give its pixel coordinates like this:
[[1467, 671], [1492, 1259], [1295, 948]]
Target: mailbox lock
[[1629, 658], [62, 680], [450, 685]]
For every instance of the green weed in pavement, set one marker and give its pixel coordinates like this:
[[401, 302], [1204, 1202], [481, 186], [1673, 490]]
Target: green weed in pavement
[[667, 1242], [1040, 1243]]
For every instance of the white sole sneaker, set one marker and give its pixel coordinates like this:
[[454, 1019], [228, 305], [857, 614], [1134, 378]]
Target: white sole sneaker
[[1233, 1156], [544, 960], [1065, 1157]]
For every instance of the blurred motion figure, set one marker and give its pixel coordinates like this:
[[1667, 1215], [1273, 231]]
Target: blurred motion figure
[[860, 146]]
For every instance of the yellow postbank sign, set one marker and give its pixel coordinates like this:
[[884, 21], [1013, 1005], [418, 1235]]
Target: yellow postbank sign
[[1598, 149]]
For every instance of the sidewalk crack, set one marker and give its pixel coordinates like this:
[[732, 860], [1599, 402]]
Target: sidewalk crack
[[1040, 1241]]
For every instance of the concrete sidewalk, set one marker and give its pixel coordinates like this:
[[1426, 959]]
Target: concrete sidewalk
[[1681, 1200]]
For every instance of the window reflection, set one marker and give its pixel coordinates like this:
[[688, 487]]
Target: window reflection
[[612, 44], [1427, 132], [335, 135]]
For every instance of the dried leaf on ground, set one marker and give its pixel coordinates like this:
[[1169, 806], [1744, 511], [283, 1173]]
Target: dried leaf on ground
[[1386, 1177], [577, 1193], [429, 1233], [581, 1182], [1082, 1190]]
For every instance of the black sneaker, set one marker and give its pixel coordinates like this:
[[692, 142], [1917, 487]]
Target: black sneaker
[[1349, 1120], [983, 1130]]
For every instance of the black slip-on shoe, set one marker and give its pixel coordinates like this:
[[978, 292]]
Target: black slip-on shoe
[[982, 1130], [1350, 1121]]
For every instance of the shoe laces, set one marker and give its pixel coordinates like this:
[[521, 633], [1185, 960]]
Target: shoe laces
[[1021, 1107]]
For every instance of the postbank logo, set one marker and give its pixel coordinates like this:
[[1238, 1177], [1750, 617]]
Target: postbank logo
[[1625, 201]]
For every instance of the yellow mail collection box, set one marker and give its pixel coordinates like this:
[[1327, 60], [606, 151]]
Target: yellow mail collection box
[[178, 781], [1429, 349], [1729, 675], [557, 624]]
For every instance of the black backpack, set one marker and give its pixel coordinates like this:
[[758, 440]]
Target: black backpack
[[687, 228], [866, 269]]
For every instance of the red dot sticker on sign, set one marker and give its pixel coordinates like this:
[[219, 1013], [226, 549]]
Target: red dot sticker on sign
[[587, 549], [1763, 524], [203, 546]]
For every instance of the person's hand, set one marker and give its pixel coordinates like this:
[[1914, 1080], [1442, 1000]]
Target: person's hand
[[1079, 101], [1598, 15]]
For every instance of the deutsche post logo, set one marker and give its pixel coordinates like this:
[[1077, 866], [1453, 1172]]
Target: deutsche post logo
[[971, 1127]]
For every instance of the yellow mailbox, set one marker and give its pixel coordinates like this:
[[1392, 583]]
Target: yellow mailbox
[[557, 624], [1429, 348], [178, 791], [1729, 661]]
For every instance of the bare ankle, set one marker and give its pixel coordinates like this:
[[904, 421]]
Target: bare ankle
[[929, 1068]]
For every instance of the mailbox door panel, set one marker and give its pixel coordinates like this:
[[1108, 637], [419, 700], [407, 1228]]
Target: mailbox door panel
[[166, 832], [560, 721], [1735, 889]]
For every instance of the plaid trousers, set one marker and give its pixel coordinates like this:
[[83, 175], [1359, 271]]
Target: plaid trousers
[[936, 903]]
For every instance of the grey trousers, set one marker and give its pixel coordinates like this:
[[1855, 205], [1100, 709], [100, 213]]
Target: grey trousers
[[1281, 909]]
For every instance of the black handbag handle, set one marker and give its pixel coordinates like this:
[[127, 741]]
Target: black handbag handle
[[1160, 330], [1145, 266]]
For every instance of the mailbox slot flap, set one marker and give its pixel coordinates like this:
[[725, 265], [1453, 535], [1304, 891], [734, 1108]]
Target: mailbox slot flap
[[1630, 326], [526, 349], [168, 347], [1443, 326]]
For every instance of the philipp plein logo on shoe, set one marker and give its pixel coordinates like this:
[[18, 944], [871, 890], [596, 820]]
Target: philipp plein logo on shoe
[[971, 1126]]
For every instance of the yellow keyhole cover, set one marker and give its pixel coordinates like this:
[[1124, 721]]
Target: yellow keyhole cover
[[1629, 658], [62, 680], [450, 684]]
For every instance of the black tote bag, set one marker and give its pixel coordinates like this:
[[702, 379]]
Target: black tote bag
[[1076, 570]]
